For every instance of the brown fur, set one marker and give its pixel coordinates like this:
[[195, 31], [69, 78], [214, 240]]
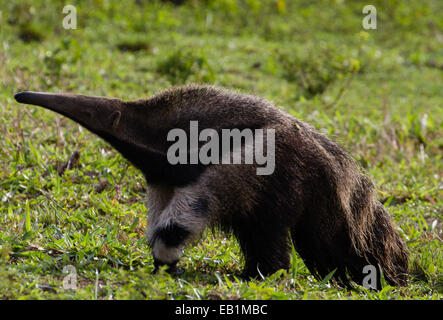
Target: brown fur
[[317, 197]]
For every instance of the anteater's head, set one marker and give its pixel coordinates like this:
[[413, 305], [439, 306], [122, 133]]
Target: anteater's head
[[98, 114], [137, 129]]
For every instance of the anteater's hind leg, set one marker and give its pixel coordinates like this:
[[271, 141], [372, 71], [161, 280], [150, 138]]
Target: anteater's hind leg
[[265, 250], [329, 248], [181, 221], [324, 252]]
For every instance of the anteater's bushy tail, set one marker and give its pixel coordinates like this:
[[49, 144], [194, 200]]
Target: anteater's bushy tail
[[374, 238], [385, 249]]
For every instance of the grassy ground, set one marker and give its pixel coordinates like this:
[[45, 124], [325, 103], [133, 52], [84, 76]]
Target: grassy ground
[[377, 92]]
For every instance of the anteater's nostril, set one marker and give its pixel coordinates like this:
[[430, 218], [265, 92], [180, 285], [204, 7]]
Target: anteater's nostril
[[21, 96]]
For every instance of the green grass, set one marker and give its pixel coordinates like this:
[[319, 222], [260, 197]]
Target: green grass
[[376, 92]]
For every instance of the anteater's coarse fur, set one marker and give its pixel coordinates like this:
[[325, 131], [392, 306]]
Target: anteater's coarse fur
[[317, 196]]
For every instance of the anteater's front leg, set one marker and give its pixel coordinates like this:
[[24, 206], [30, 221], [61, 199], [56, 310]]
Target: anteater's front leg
[[180, 222]]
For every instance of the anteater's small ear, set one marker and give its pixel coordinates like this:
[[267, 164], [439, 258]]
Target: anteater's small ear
[[116, 119]]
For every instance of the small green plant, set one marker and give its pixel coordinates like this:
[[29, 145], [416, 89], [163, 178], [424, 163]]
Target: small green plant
[[30, 32], [133, 44], [183, 64], [314, 70]]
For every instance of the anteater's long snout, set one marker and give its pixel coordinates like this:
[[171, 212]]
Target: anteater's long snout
[[60, 101], [31, 97], [80, 108], [65, 104]]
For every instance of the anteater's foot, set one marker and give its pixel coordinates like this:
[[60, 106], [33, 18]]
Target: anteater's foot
[[171, 267], [250, 274]]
